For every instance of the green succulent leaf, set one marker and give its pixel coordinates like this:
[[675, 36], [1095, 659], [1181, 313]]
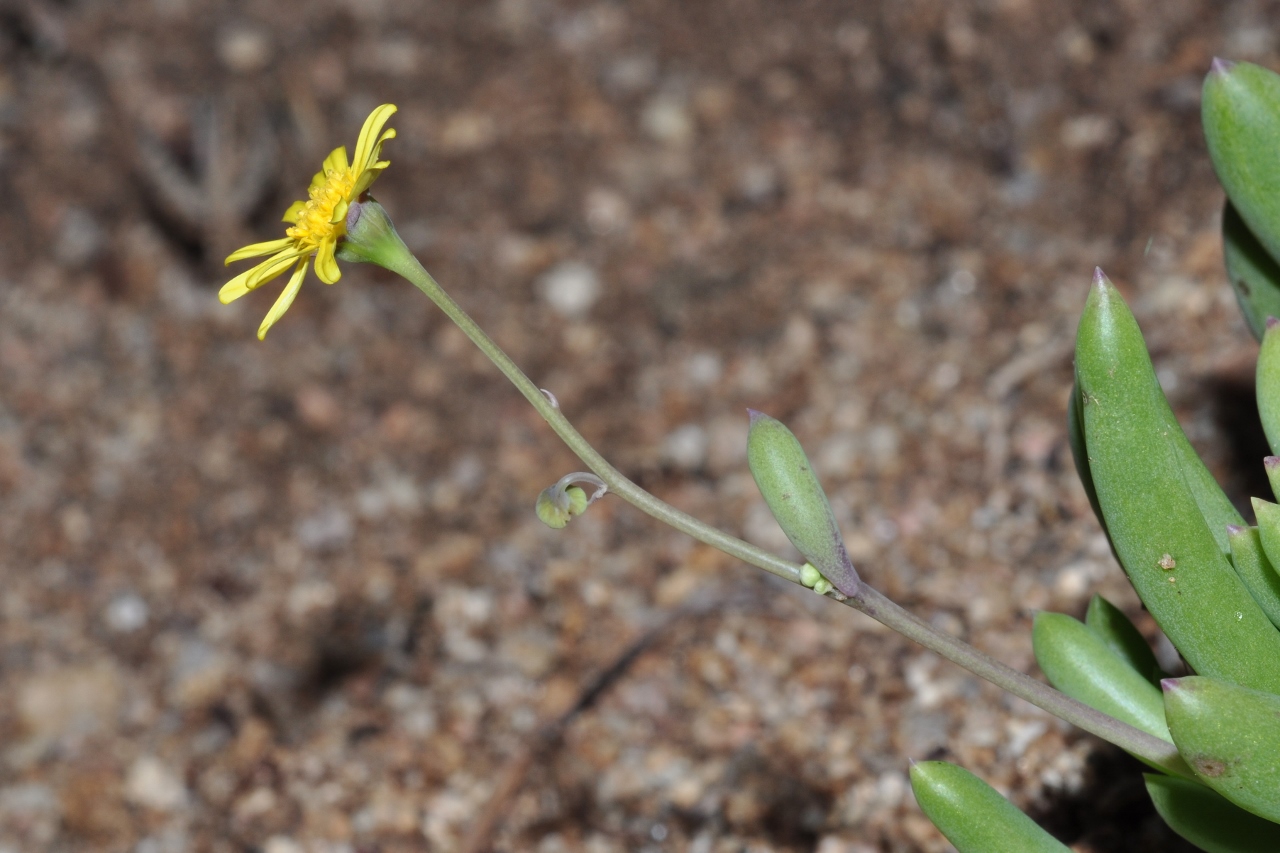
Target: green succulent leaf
[[1078, 661], [1252, 560], [1123, 638], [1254, 274], [1272, 466], [1160, 510], [1240, 111], [795, 497], [1268, 384], [1208, 820], [972, 815], [1079, 454], [1230, 735], [1214, 505]]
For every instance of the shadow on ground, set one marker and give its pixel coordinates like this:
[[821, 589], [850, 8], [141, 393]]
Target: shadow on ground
[[1111, 813]]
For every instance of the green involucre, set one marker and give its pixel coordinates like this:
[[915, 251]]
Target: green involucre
[[1230, 735], [1159, 508], [1208, 820], [972, 815], [796, 499]]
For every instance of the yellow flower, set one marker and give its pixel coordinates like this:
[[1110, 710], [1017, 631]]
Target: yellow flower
[[317, 223]]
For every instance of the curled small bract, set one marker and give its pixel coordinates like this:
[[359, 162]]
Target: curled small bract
[[559, 503]]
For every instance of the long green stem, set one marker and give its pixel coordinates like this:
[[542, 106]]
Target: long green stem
[[1159, 752], [618, 483], [399, 260]]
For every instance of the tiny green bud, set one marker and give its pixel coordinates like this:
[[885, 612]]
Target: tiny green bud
[[559, 503], [809, 576], [795, 497], [813, 579]]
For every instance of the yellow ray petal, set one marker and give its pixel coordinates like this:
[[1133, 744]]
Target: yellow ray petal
[[270, 268], [237, 287], [372, 128], [375, 151], [295, 210], [256, 250], [326, 265], [285, 299], [367, 177], [339, 212], [336, 161], [254, 277]]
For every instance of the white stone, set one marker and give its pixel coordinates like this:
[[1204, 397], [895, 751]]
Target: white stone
[[570, 288], [282, 844], [152, 784], [686, 447], [666, 119], [126, 613], [328, 529]]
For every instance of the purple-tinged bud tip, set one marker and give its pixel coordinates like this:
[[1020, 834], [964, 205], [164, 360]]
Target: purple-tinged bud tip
[[1099, 278], [1235, 529], [1271, 462], [1169, 684], [755, 416], [1272, 322], [1220, 65]]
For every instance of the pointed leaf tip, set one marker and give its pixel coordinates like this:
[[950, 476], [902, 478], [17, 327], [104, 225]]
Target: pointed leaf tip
[[1272, 322], [1220, 65], [754, 415], [1235, 529], [1271, 462], [1168, 684], [1099, 277]]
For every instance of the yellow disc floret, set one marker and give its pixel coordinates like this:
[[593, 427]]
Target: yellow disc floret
[[317, 224], [316, 221]]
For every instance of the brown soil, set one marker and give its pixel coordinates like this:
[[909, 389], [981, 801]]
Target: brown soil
[[291, 596]]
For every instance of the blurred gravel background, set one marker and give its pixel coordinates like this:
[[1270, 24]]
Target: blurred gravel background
[[291, 596]]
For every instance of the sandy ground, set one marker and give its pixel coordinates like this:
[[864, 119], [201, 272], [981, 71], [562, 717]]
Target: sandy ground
[[291, 596]]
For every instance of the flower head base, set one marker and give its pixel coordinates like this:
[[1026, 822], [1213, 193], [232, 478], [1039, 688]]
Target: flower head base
[[317, 224]]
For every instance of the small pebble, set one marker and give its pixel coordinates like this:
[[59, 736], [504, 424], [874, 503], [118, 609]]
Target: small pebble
[[244, 49], [126, 613], [152, 784], [570, 288]]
